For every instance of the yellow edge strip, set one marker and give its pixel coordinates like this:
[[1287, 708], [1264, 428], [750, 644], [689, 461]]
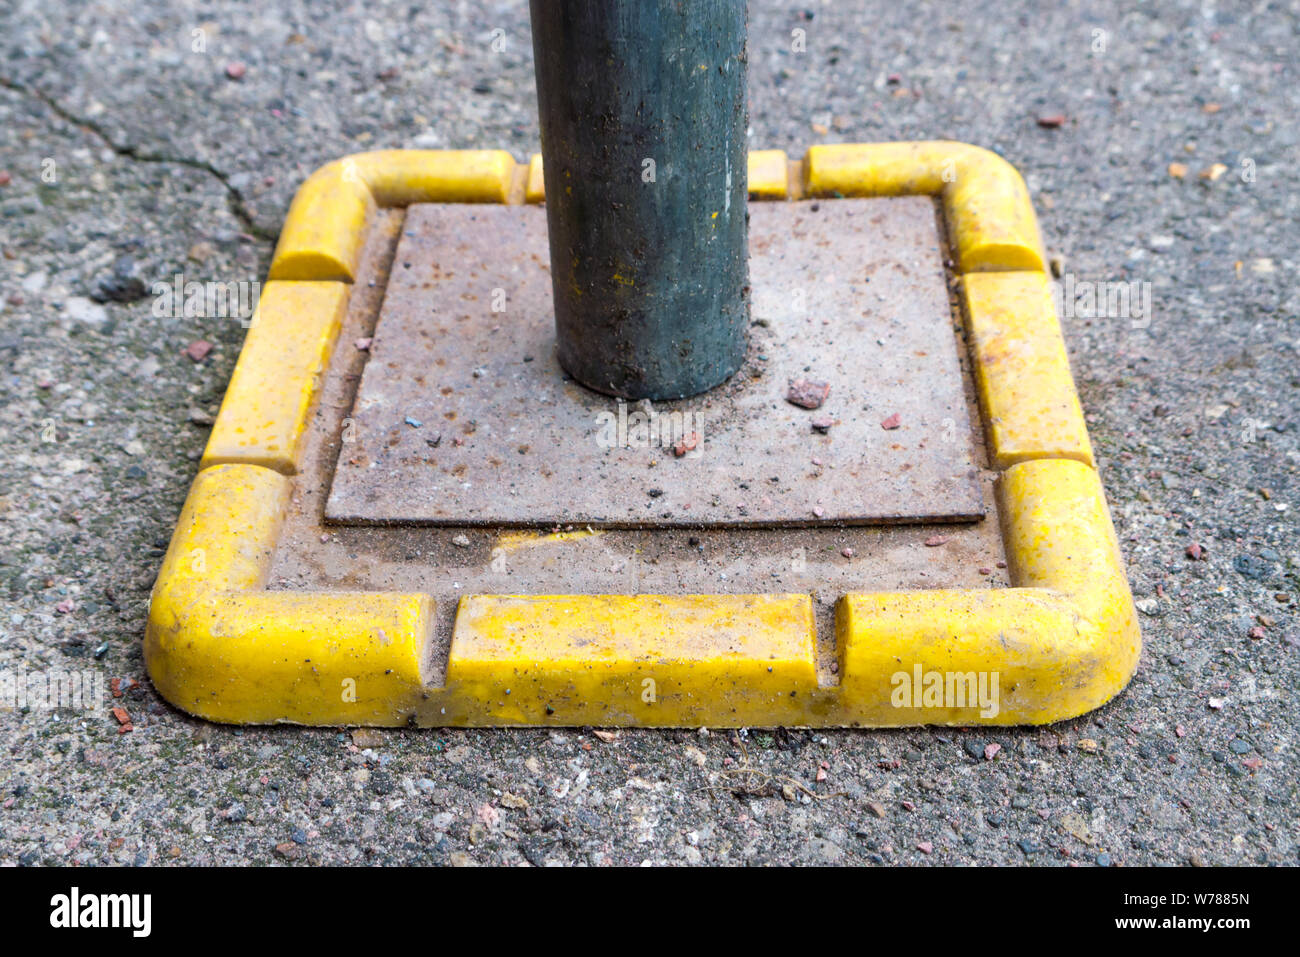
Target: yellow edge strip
[[264, 413], [631, 660], [1064, 640], [985, 199], [1022, 372]]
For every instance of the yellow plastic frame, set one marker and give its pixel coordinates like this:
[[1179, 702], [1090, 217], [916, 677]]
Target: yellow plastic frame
[[1062, 641]]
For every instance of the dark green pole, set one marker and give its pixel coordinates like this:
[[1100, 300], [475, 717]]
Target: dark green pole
[[643, 118]]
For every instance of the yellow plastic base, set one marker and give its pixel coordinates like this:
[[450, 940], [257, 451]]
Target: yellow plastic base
[[1062, 641]]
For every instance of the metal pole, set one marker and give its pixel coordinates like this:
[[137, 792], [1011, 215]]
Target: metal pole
[[643, 118]]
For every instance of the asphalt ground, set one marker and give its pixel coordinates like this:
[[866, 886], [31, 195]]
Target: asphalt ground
[[140, 140]]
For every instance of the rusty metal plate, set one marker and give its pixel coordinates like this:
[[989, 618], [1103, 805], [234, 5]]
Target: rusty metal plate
[[464, 417]]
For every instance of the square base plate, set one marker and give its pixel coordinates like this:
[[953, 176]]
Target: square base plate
[[464, 416]]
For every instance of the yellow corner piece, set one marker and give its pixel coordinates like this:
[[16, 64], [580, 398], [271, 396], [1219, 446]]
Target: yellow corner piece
[[320, 658], [323, 232], [1058, 536], [535, 188], [221, 647], [1062, 642], [990, 218], [769, 174], [267, 403], [660, 660], [1022, 372]]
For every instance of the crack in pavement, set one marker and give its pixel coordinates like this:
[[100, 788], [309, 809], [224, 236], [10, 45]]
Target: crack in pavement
[[234, 198]]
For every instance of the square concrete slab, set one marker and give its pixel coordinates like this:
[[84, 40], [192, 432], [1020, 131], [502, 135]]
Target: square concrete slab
[[465, 417]]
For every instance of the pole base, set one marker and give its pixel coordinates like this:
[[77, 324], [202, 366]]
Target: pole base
[[464, 416], [266, 612]]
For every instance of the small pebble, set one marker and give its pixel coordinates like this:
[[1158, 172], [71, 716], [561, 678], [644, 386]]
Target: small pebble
[[807, 394]]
